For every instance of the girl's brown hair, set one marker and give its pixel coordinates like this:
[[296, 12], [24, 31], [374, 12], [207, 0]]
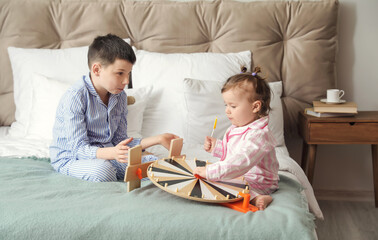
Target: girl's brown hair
[[246, 81]]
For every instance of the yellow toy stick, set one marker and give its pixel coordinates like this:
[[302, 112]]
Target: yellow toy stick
[[215, 126]]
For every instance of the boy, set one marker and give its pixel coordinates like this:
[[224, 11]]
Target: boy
[[90, 133]]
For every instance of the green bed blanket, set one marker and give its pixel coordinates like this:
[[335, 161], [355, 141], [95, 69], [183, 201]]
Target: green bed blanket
[[38, 203]]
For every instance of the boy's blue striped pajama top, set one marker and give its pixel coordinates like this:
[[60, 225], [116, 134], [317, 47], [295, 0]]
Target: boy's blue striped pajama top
[[84, 123]]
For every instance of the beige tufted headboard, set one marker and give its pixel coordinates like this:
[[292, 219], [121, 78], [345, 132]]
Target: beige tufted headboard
[[295, 42]]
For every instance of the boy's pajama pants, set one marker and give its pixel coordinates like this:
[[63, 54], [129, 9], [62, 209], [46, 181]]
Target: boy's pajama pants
[[99, 170]]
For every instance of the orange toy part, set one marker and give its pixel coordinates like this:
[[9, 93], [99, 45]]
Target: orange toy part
[[242, 206], [139, 173], [198, 176]]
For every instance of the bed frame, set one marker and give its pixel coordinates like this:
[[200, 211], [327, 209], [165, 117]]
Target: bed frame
[[295, 42]]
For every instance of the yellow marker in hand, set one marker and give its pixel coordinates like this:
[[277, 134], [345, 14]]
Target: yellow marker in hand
[[215, 126]]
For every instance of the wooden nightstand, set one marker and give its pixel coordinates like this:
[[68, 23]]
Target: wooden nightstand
[[360, 129]]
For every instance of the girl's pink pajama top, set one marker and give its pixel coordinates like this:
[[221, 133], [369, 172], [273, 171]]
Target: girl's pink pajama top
[[248, 151]]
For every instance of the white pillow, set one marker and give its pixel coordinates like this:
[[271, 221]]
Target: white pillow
[[61, 65], [136, 110], [65, 65], [46, 94], [203, 102], [166, 73]]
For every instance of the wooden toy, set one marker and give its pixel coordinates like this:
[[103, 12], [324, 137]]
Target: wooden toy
[[136, 170], [175, 175], [175, 147]]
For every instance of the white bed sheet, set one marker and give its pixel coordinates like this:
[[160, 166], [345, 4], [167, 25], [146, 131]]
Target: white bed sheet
[[4, 131], [27, 147], [22, 147]]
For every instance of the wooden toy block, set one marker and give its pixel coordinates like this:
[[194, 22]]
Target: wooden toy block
[[175, 148], [135, 170]]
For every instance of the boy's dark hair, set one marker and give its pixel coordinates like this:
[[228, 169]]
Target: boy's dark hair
[[106, 49], [245, 80]]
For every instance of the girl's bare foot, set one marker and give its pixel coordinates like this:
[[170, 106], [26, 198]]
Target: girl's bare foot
[[262, 201]]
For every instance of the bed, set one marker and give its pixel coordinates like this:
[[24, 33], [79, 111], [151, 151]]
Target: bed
[[185, 51]]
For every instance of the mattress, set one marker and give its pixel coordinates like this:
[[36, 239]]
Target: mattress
[[36, 202], [38, 149]]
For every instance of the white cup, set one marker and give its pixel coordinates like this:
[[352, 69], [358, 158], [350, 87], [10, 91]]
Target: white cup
[[334, 95]]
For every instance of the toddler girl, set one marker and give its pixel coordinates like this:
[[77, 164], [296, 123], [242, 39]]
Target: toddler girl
[[248, 145]]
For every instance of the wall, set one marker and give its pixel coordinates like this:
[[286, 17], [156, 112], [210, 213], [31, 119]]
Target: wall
[[349, 167]]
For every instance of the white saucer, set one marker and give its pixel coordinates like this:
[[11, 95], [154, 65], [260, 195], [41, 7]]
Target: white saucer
[[324, 100]]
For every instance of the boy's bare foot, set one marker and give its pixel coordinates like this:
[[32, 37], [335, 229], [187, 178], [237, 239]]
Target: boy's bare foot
[[262, 201]]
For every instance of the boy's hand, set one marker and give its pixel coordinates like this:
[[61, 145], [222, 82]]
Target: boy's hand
[[121, 151], [201, 171], [209, 144], [165, 139]]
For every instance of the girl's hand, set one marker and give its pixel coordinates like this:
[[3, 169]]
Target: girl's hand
[[201, 171], [209, 144], [165, 139], [121, 151]]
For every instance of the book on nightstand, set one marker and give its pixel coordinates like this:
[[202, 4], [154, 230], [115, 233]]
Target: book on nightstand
[[347, 107], [311, 112]]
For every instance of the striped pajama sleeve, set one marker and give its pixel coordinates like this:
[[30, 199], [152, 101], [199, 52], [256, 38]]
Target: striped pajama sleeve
[[217, 151]]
